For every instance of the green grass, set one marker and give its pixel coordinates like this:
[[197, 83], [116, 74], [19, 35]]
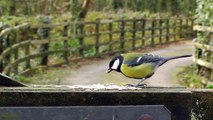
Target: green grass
[[188, 77], [45, 76]]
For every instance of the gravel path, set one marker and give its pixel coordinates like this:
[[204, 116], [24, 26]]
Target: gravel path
[[94, 72]]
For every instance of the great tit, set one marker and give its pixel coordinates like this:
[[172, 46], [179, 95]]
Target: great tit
[[138, 66]]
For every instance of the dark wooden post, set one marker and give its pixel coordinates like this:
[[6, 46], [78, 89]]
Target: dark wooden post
[[167, 30], [181, 27], [110, 34], [27, 49], [153, 32], [65, 32], [80, 35], [187, 28], [143, 30], [7, 43], [1, 49], [97, 25], [16, 55], [43, 33], [160, 30], [122, 34], [174, 29], [134, 22], [191, 30]]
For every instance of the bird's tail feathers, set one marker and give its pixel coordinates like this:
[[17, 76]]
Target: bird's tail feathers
[[176, 57]]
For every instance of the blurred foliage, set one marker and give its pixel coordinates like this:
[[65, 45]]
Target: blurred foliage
[[188, 77], [204, 12], [89, 52], [47, 7]]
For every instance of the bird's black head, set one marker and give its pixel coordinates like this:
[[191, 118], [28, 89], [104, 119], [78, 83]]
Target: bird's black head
[[115, 64]]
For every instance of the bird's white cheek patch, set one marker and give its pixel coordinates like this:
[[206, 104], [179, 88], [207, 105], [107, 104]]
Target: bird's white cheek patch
[[115, 64], [138, 60]]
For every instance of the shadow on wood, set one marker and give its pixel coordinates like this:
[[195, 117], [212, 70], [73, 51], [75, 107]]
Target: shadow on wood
[[9, 82]]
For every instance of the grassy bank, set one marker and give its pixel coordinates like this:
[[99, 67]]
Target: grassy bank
[[188, 77]]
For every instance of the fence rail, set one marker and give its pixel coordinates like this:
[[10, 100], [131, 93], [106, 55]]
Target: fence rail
[[203, 50], [27, 45]]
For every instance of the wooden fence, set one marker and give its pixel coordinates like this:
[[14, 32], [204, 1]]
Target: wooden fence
[[27, 45], [203, 56]]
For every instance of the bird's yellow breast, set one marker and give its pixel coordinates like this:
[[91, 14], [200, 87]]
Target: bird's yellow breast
[[139, 72]]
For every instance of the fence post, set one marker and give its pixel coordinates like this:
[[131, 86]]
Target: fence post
[[174, 29], [80, 35], [143, 31], [167, 30], [15, 37], [43, 33], [134, 22], [192, 24], [160, 30], [97, 25], [181, 28], [65, 32], [27, 49], [1, 49], [7, 44], [122, 34], [187, 27], [110, 34], [153, 32]]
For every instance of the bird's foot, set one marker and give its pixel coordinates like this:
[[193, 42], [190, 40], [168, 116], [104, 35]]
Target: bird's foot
[[137, 86], [141, 85]]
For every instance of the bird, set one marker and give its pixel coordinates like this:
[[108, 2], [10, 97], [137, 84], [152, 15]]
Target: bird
[[138, 65]]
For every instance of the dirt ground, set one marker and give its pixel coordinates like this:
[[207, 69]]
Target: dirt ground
[[94, 72]]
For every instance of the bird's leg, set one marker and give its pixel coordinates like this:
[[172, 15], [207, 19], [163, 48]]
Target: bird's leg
[[141, 85], [138, 85]]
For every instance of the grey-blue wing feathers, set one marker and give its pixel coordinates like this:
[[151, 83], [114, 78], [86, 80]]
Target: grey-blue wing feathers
[[146, 58]]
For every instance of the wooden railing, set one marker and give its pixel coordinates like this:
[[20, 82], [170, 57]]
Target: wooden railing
[[27, 45], [203, 56]]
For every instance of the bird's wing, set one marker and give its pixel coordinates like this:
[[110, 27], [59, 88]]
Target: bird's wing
[[145, 58]]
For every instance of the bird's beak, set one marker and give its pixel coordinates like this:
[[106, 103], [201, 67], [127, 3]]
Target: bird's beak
[[109, 70]]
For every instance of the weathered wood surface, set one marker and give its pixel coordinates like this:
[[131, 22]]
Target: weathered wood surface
[[203, 63], [203, 51], [180, 101], [203, 28]]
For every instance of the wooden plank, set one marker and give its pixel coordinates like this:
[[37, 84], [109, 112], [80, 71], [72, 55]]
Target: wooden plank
[[43, 41], [203, 46], [177, 100], [8, 30], [203, 28], [203, 63], [12, 48], [50, 25]]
